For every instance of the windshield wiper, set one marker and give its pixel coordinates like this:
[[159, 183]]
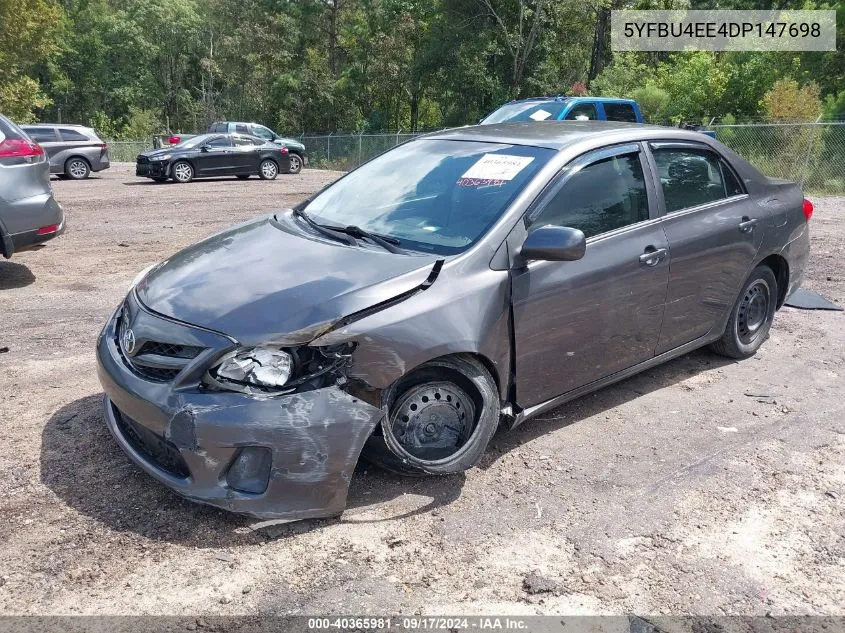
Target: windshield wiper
[[387, 243], [348, 234], [334, 234]]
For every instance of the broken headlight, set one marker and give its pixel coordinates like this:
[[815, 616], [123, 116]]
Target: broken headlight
[[273, 370], [259, 366]]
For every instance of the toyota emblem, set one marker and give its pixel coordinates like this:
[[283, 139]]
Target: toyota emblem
[[127, 340]]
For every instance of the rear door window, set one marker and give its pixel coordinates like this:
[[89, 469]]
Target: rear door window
[[691, 177], [41, 134], [242, 128], [72, 135], [583, 112], [620, 112], [733, 187], [603, 196], [220, 141]]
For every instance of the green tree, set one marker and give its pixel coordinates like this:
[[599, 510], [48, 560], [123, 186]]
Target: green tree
[[28, 33]]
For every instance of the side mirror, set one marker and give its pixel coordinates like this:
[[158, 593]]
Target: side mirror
[[554, 244], [205, 148]]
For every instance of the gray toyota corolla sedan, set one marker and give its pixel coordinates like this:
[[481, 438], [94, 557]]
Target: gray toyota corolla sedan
[[466, 279]]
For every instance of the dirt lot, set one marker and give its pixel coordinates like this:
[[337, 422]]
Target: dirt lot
[[672, 492]]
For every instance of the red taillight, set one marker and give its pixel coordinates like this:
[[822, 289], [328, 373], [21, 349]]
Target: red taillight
[[808, 209], [104, 146], [46, 230], [174, 140], [14, 147], [284, 150]]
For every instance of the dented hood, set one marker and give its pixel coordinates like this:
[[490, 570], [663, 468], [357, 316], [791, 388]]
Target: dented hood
[[265, 281]]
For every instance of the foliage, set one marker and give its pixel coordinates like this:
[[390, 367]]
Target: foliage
[[787, 101], [28, 32], [136, 67], [622, 77], [578, 89], [834, 106], [653, 101]]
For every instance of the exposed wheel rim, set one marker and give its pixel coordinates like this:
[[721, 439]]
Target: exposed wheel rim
[[295, 163], [753, 313], [182, 172], [77, 169], [268, 169], [434, 420]]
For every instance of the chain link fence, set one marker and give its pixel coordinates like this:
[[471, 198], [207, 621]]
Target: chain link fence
[[345, 151], [127, 151], [810, 153]]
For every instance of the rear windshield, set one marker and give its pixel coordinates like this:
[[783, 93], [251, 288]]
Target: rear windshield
[[10, 130], [526, 111], [432, 195]]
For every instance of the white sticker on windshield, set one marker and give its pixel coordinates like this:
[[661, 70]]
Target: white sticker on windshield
[[497, 167], [540, 115]]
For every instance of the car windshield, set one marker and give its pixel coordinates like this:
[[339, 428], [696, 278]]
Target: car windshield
[[437, 196], [525, 111], [196, 140]]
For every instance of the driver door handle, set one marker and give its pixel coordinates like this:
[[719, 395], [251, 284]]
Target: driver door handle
[[652, 256], [747, 224]]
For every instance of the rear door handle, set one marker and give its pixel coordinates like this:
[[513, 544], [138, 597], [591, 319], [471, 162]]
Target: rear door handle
[[652, 256], [747, 224]]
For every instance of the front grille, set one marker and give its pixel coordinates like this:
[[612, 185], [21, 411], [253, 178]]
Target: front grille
[[156, 374], [152, 446], [170, 349], [142, 159], [156, 361]]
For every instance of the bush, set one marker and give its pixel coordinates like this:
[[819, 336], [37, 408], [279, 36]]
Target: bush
[[786, 101], [652, 100]]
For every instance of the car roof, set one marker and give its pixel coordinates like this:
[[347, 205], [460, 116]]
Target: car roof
[[560, 99], [558, 135], [71, 125]]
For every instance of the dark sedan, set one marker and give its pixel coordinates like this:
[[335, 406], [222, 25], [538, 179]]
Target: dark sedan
[[210, 155], [468, 279]]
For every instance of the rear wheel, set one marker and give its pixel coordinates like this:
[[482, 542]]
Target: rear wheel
[[295, 163], [182, 171], [441, 418], [752, 315], [77, 168], [268, 169]]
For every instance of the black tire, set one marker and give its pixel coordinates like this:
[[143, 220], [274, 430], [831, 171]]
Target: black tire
[[751, 317], [242, 176], [296, 163], [268, 169], [182, 171], [444, 436], [77, 168]]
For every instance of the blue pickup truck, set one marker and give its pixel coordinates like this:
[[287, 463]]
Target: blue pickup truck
[[566, 109]]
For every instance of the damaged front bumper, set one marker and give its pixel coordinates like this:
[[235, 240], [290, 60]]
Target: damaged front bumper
[[156, 169], [288, 457]]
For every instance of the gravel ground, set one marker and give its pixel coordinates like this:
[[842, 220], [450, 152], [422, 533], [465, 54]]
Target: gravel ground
[[672, 492]]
